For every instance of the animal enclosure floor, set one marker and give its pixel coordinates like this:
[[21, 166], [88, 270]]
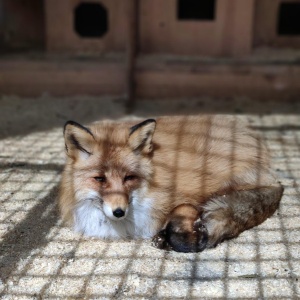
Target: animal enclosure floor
[[42, 259]]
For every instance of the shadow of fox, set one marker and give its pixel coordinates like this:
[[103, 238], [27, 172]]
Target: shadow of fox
[[187, 182]]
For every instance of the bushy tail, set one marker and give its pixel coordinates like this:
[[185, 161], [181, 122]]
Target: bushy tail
[[226, 216]]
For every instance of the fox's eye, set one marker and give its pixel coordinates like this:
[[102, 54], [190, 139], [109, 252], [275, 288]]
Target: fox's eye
[[130, 177], [100, 178]]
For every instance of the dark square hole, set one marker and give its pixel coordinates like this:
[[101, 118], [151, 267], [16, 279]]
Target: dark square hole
[[91, 20], [196, 9], [289, 19]]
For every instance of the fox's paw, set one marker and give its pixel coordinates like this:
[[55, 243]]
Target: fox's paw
[[175, 237], [200, 235], [159, 241]]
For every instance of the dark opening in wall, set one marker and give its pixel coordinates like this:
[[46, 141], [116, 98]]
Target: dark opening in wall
[[289, 19], [91, 20], [196, 9]]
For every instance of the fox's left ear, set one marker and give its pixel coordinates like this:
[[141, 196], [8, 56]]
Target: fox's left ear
[[140, 137]]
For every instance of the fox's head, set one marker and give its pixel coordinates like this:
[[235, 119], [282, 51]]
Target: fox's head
[[108, 162]]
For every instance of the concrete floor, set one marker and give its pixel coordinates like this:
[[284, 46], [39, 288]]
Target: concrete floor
[[42, 259]]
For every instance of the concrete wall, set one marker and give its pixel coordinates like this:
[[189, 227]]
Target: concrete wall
[[21, 24], [265, 25], [239, 26], [61, 36], [229, 34]]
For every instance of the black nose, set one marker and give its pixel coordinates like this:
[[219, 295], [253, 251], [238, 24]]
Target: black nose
[[118, 213]]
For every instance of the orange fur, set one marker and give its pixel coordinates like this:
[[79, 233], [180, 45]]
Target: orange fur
[[181, 160]]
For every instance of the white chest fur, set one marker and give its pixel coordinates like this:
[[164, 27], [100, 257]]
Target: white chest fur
[[91, 221]]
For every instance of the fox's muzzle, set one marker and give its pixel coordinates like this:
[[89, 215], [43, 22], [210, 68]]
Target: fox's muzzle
[[115, 206]]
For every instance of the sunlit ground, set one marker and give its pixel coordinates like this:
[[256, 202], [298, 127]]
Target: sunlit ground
[[40, 258]]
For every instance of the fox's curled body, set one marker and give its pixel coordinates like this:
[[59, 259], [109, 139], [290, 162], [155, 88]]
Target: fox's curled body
[[189, 182]]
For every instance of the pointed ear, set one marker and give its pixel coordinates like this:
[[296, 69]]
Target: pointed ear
[[78, 139], [140, 137]]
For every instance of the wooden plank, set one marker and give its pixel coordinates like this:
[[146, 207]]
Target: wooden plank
[[61, 78]]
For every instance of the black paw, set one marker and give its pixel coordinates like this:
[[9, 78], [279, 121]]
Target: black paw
[[201, 235], [172, 238], [159, 241]]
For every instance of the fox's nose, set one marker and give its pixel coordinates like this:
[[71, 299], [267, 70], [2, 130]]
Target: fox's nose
[[118, 213]]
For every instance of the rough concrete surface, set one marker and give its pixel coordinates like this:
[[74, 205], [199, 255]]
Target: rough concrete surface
[[42, 259]]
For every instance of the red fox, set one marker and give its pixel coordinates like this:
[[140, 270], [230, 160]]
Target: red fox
[[187, 182]]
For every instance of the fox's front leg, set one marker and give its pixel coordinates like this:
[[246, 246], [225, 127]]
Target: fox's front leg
[[183, 231]]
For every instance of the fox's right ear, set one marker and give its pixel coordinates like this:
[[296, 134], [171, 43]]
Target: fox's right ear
[[78, 139]]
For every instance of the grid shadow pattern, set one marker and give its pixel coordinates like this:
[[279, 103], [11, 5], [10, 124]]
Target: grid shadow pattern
[[42, 259]]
